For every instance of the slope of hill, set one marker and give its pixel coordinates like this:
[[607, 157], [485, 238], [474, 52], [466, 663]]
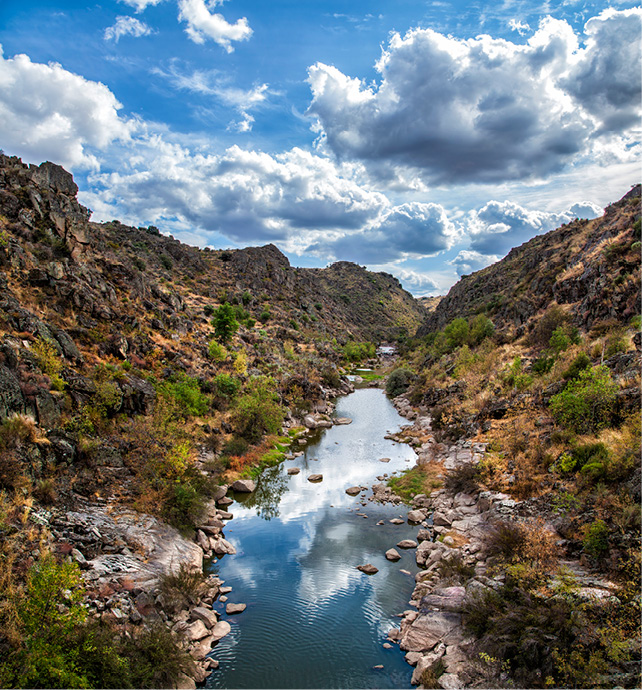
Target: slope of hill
[[590, 267]]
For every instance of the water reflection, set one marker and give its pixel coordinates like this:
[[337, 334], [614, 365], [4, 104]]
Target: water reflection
[[313, 620]]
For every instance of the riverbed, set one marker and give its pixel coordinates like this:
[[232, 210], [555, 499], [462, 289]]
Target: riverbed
[[312, 619]]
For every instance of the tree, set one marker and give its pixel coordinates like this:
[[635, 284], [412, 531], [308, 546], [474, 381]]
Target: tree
[[225, 323]]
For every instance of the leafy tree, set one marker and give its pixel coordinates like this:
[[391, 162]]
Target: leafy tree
[[225, 323], [398, 382]]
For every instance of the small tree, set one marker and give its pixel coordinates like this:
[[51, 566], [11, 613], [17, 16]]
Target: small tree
[[225, 323], [398, 382], [257, 411]]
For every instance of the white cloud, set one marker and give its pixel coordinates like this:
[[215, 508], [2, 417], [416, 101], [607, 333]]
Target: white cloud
[[499, 226], [126, 26], [522, 28], [202, 24], [140, 5], [416, 282], [214, 83], [50, 113], [485, 109], [468, 261]]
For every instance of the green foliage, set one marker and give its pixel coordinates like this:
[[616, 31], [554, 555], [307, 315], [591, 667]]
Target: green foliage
[[581, 362], [225, 386], [596, 541], [216, 351], [456, 334], [49, 360], [265, 315], [184, 505], [258, 411], [559, 341], [481, 328], [554, 318], [515, 377], [225, 323], [543, 365], [586, 404], [398, 382], [186, 393], [358, 352], [246, 298], [166, 262], [417, 480]]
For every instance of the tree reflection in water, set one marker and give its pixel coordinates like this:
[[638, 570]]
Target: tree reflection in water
[[271, 485]]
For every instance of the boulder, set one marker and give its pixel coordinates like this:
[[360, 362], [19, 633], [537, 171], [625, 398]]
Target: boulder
[[315, 478], [407, 544], [353, 490], [416, 516], [220, 630], [225, 501], [222, 546], [428, 629], [384, 459], [294, 470], [368, 569], [231, 609], [206, 615], [342, 420], [244, 486], [393, 555], [196, 631]]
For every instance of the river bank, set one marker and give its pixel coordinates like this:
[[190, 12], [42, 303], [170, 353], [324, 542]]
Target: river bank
[[454, 524]]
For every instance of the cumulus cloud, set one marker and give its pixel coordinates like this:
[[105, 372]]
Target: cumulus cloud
[[126, 26], [214, 83], [140, 5], [499, 226], [415, 281], [485, 109], [468, 261], [522, 28], [203, 24], [48, 112], [410, 230]]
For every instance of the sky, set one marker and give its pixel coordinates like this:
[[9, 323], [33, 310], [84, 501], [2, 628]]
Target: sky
[[425, 139]]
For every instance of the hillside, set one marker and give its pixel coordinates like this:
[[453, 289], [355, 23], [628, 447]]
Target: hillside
[[524, 388], [589, 267]]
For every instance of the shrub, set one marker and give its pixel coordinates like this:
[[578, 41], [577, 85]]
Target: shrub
[[357, 352], [257, 411], [543, 365], [398, 382], [464, 477], [586, 404], [581, 362], [481, 328], [186, 392], [554, 317], [49, 360], [454, 570], [216, 351], [181, 588], [225, 386], [166, 262], [596, 541], [264, 316], [240, 364], [225, 323]]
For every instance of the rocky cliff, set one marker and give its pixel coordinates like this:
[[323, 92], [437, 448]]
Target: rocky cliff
[[590, 267]]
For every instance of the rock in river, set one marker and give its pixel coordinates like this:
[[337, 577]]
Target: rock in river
[[353, 490], [294, 470], [315, 478], [368, 569], [231, 609], [393, 555], [220, 630], [244, 486], [407, 544]]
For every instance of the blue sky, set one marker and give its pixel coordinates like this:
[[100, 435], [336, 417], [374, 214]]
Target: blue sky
[[424, 139]]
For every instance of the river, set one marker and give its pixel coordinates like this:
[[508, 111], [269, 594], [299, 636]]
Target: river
[[312, 619]]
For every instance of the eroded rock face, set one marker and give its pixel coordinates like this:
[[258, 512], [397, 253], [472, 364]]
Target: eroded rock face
[[11, 399], [428, 629]]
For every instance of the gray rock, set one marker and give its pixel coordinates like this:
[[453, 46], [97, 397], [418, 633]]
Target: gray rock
[[353, 490], [393, 555], [206, 615], [223, 546], [220, 630], [202, 648], [428, 629], [196, 631], [407, 544], [225, 501], [231, 609], [244, 486], [342, 420], [450, 681], [384, 459], [396, 521], [416, 516], [11, 399], [368, 569]]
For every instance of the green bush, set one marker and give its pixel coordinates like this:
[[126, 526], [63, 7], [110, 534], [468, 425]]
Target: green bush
[[586, 404], [398, 382], [358, 352], [257, 412], [225, 386], [216, 351], [581, 362], [265, 315], [596, 541], [185, 391], [225, 323], [481, 328]]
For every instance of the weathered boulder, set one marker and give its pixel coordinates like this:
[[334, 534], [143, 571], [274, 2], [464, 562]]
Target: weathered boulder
[[315, 478], [220, 630], [231, 609], [206, 615], [407, 544], [294, 470], [428, 629], [11, 398], [368, 569], [416, 516], [244, 486], [353, 490], [393, 555], [196, 631], [222, 546]]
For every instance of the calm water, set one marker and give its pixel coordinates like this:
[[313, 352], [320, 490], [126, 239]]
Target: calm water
[[312, 619]]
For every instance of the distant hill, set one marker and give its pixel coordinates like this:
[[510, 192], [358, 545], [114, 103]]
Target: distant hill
[[590, 267]]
